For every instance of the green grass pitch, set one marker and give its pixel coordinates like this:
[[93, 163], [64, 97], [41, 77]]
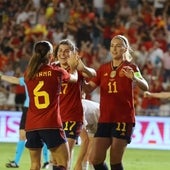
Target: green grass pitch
[[134, 159]]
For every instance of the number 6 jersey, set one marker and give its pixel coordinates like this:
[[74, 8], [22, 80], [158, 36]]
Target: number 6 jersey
[[44, 90]]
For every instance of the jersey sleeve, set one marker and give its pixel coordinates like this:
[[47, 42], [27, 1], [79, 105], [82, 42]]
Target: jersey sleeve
[[65, 76]]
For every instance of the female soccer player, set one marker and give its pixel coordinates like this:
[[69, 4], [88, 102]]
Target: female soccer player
[[43, 123], [117, 114], [70, 97]]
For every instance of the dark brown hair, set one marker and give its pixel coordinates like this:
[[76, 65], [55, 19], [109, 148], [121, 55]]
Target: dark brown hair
[[40, 56], [64, 42]]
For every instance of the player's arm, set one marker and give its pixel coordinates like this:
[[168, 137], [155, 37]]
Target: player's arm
[[140, 81], [73, 62], [10, 79], [161, 95], [87, 72], [136, 77], [88, 87]]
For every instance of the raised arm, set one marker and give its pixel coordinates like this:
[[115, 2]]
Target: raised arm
[[73, 62], [87, 72]]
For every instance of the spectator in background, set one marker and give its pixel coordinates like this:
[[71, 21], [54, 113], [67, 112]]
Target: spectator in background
[[57, 35], [3, 97], [41, 18], [166, 65], [141, 56], [158, 6], [166, 15], [125, 11], [96, 32], [99, 7], [4, 59], [83, 32], [10, 103], [109, 13], [155, 56], [62, 12]]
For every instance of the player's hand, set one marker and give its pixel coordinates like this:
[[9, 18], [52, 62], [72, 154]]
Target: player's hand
[[73, 60], [80, 65], [146, 94], [128, 72]]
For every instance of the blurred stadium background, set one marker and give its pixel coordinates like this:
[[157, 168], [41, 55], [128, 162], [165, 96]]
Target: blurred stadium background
[[91, 24]]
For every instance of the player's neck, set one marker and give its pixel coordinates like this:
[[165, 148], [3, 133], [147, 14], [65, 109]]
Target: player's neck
[[115, 64]]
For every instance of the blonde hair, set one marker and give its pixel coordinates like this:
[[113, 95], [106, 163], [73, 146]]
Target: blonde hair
[[128, 54]]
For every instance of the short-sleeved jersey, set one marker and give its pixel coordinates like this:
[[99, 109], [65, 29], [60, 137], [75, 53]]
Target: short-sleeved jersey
[[70, 101], [43, 90], [116, 94]]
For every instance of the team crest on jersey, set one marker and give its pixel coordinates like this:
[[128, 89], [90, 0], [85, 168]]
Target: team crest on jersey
[[113, 74]]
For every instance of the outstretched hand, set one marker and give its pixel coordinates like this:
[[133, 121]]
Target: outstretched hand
[[146, 94]]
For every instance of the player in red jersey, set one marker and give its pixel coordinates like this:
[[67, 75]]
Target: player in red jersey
[[70, 98], [43, 123], [117, 115]]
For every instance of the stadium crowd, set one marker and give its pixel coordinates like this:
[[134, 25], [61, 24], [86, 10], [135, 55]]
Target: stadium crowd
[[91, 25]]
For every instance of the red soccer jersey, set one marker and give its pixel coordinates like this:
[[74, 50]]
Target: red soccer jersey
[[43, 90], [70, 101], [116, 94]]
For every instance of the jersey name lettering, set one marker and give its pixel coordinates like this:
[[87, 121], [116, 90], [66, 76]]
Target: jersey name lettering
[[44, 74]]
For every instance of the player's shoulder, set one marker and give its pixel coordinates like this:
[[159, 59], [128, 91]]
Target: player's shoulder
[[104, 67], [55, 63]]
